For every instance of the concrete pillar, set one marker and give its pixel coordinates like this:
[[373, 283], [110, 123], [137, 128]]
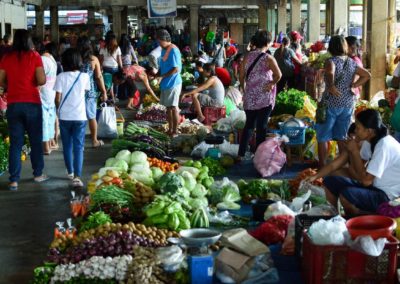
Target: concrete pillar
[[314, 20], [262, 17], [282, 16], [194, 28], [392, 27], [339, 16], [91, 22], [39, 15], [271, 13], [54, 26], [295, 15], [116, 23], [124, 20], [377, 43]]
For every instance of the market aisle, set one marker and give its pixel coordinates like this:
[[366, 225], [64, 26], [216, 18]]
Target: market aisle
[[28, 216]]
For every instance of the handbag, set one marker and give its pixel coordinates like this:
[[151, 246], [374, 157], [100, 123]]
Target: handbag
[[107, 123]]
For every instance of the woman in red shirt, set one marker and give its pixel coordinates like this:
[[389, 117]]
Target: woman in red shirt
[[24, 111]]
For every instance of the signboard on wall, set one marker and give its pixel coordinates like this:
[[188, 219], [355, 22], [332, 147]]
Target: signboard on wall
[[161, 8], [76, 18]]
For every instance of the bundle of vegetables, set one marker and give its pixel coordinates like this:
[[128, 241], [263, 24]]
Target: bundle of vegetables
[[147, 139], [166, 213], [116, 212], [264, 189], [94, 220], [319, 63], [187, 79], [95, 268], [295, 183], [214, 166], [199, 171], [123, 144], [133, 129], [140, 168], [154, 114], [3, 155], [146, 268], [43, 274], [148, 100], [184, 144], [164, 166], [224, 194], [112, 194], [289, 102]]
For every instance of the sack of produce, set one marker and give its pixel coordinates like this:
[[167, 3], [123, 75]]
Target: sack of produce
[[269, 158]]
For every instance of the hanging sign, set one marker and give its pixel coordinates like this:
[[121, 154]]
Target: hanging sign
[[161, 8]]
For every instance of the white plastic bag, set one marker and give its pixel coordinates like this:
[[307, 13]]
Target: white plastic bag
[[366, 245], [298, 202], [107, 124], [328, 232], [276, 209], [200, 150]]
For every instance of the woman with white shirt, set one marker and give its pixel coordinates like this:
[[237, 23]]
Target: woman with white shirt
[[110, 55], [375, 168], [71, 87]]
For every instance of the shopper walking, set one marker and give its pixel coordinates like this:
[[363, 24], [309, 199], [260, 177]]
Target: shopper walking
[[128, 55], [170, 78], [338, 97], [47, 96], [286, 58], [71, 87], [259, 74], [91, 66], [219, 54], [24, 113]]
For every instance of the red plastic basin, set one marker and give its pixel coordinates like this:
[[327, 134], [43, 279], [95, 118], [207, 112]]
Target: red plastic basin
[[374, 225]]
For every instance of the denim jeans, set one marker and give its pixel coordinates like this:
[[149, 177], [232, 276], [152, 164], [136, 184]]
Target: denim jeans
[[258, 119], [23, 117], [73, 140]]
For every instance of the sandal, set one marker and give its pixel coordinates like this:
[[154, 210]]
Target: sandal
[[99, 144], [55, 147], [41, 178], [77, 183], [13, 187]]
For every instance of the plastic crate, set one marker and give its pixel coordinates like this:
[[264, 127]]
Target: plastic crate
[[296, 135], [301, 223], [213, 114], [340, 264]]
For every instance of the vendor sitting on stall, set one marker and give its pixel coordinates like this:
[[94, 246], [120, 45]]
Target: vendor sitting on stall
[[214, 97], [369, 184]]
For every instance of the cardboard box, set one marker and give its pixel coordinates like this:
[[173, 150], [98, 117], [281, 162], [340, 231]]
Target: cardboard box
[[241, 241], [234, 264]]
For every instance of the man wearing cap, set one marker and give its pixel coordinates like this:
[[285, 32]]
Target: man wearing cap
[[170, 79]]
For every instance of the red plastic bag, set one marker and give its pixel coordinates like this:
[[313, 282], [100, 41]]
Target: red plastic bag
[[136, 99], [274, 230]]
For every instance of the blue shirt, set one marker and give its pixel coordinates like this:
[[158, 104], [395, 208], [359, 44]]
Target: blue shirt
[[173, 60]]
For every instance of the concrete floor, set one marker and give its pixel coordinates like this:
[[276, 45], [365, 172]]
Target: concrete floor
[[28, 216]]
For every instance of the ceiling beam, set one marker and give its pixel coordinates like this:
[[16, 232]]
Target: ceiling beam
[[102, 3], [34, 2]]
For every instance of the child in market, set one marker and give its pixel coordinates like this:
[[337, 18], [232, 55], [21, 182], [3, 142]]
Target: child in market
[[70, 88]]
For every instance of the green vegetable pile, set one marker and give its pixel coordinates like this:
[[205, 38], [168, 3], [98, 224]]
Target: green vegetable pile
[[94, 220], [224, 194], [264, 189], [43, 274], [112, 195], [289, 102], [214, 166], [3, 155]]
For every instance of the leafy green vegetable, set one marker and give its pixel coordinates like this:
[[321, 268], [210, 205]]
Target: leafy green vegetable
[[157, 173], [138, 157], [95, 219], [3, 155], [214, 167], [112, 194], [199, 191], [124, 155], [228, 205], [170, 183], [289, 102], [190, 181], [121, 164], [198, 202]]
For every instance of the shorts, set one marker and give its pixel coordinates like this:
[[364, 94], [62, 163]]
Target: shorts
[[170, 97], [364, 198], [49, 120], [207, 101], [91, 108], [336, 125]]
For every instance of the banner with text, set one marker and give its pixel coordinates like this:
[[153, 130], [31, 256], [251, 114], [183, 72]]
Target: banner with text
[[161, 8]]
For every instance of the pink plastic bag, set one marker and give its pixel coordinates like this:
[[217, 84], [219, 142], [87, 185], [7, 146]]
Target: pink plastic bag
[[269, 158]]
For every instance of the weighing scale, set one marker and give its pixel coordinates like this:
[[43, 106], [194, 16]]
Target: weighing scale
[[200, 260], [215, 140]]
